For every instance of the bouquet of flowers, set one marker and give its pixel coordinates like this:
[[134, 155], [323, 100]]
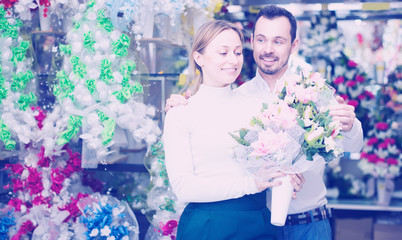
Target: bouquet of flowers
[[292, 132], [295, 126]]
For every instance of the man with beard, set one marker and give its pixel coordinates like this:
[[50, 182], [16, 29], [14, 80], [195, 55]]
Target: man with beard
[[273, 41]]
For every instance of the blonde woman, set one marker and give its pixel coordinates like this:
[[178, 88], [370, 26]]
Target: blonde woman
[[225, 202]]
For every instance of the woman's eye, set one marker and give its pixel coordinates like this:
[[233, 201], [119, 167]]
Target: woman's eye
[[223, 53], [238, 53]]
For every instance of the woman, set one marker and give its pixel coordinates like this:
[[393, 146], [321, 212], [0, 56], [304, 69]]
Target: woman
[[225, 202]]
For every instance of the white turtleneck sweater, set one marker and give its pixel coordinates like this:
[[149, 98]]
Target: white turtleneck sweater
[[312, 195], [198, 147]]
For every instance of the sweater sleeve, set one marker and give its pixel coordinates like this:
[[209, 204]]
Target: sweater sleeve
[[187, 185], [353, 140]]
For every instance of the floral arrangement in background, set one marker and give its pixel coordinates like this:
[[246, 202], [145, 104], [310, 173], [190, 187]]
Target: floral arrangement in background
[[294, 130], [323, 40], [395, 89], [46, 182], [350, 82], [105, 217], [163, 209], [380, 156]]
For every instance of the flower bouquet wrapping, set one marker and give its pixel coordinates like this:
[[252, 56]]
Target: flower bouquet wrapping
[[293, 132]]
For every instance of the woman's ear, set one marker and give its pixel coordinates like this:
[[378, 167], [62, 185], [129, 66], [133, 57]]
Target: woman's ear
[[198, 59]]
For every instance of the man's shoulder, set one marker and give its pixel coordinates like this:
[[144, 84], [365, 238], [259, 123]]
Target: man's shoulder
[[246, 87]]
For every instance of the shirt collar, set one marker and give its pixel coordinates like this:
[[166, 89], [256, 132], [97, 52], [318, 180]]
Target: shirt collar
[[263, 85]]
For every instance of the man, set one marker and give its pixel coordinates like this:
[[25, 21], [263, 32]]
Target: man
[[273, 41]]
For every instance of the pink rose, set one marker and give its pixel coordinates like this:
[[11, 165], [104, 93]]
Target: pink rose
[[353, 103], [361, 97], [372, 141], [363, 155], [369, 94], [352, 64], [344, 96], [351, 83], [372, 158], [380, 160], [382, 126], [269, 142], [390, 141], [339, 80], [383, 145], [392, 161], [359, 78]]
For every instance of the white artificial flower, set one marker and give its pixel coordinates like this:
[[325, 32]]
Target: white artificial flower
[[94, 232], [105, 231]]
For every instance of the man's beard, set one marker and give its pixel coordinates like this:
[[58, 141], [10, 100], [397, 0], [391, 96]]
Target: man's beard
[[273, 71]]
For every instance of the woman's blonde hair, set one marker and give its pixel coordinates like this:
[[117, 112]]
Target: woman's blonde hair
[[205, 34]]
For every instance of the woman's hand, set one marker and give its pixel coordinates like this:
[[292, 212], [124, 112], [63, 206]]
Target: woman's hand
[[265, 175]]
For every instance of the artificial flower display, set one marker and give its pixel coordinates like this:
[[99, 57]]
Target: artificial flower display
[[163, 209], [323, 40], [380, 157], [350, 82], [294, 129]]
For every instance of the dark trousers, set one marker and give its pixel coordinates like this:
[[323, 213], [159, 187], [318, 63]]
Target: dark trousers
[[245, 218]]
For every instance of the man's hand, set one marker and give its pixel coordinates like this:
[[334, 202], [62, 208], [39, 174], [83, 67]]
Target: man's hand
[[343, 113], [297, 181], [177, 100]]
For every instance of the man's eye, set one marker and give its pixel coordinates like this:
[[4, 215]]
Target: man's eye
[[238, 53]]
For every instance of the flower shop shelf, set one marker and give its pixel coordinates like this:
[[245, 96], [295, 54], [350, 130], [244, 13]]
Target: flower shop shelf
[[364, 205]]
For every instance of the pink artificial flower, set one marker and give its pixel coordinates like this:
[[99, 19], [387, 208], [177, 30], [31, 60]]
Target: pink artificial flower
[[43, 161], [383, 145], [339, 80], [15, 168], [390, 141], [73, 163], [57, 179], [380, 160], [361, 97], [359, 78], [363, 155], [24, 229], [16, 203], [372, 141], [168, 228], [360, 38], [351, 83], [382, 126], [372, 158], [353, 103], [344, 96], [392, 161], [34, 181], [369, 94], [269, 142], [40, 116], [352, 64], [72, 207], [18, 185], [40, 200]]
